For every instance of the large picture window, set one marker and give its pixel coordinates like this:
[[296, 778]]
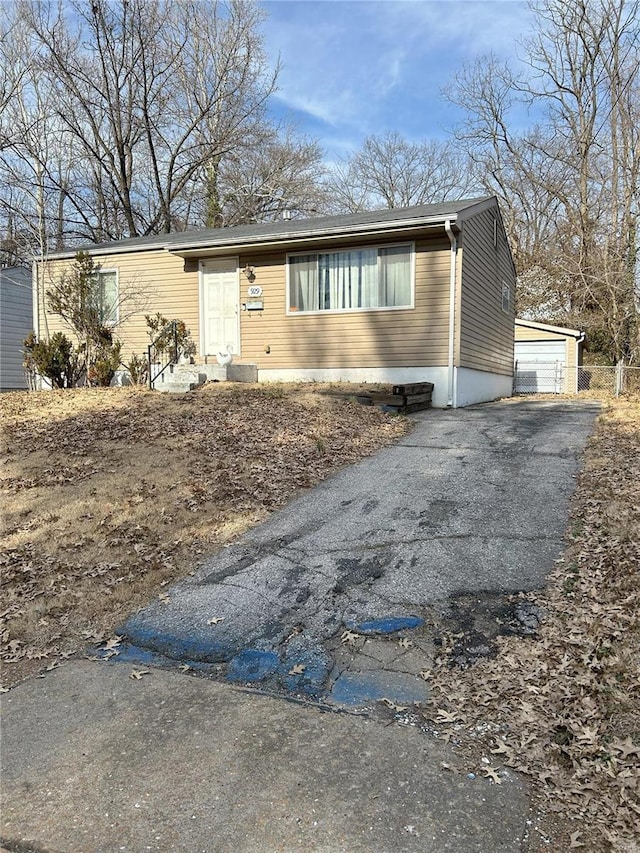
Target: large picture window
[[352, 280]]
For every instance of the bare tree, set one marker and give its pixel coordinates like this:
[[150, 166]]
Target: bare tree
[[570, 186], [389, 171], [277, 174], [145, 95]]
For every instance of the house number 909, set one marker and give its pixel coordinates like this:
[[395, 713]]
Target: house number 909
[[254, 290]]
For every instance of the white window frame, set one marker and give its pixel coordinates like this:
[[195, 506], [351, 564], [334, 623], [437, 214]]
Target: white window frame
[[326, 251], [98, 271]]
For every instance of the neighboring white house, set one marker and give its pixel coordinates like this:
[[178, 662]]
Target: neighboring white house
[[16, 321]]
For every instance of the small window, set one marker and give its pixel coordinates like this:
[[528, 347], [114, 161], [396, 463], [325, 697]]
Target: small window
[[506, 297], [106, 296], [352, 280]]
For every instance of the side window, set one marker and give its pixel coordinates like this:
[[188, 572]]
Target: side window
[[106, 296], [506, 297]]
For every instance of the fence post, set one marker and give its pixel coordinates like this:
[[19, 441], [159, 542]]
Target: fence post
[[619, 377]]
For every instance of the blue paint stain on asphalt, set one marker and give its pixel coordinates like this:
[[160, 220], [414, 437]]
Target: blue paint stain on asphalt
[[178, 647], [306, 671], [128, 653], [300, 666], [386, 625], [252, 665], [362, 688]]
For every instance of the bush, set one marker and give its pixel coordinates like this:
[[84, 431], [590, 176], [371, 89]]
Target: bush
[[105, 358], [161, 335], [138, 367], [56, 359]]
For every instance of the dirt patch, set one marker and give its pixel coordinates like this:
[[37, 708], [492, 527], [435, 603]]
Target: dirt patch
[[563, 704], [111, 494]]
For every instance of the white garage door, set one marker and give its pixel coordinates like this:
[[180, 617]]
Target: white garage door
[[540, 367]]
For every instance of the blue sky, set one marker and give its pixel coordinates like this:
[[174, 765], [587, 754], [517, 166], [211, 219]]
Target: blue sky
[[351, 68]]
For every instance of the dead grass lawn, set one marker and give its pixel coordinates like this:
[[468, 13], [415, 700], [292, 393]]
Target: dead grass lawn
[[108, 495]]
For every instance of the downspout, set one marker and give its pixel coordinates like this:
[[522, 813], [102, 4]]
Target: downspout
[[35, 301], [452, 312], [579, 341]]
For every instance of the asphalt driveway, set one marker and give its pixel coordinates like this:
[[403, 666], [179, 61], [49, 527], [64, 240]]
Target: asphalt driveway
[[338, 599], [473, 501]]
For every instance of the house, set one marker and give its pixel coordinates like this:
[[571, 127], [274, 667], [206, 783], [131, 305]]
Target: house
[[16, 321], [546, 358], [418, 294]]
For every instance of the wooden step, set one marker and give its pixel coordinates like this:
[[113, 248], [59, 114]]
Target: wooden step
[[379, 398], [413, 388], [405, 410]]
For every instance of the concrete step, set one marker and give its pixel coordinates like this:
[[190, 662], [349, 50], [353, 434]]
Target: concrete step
[[175, 387], [184, 377]]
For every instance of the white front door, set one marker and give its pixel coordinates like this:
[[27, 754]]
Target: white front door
[[220, 304]]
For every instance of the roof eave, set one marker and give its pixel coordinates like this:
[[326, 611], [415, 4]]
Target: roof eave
[[547, 327], [274, 241], [192, 246]]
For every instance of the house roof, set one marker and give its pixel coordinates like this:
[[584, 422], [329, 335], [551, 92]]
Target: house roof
[[190, 243], [545, 327]]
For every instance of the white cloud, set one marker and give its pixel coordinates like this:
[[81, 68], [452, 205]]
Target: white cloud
[[364, 67]]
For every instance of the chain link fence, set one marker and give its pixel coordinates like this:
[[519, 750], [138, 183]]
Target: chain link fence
[[555, 378]]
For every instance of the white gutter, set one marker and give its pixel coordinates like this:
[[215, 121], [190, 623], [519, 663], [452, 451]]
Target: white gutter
[[452, 312]]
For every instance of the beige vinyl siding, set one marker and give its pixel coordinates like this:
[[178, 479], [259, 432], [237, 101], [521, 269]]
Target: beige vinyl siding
[[485, 337], [156, 281], [523, 333], [372, 338]]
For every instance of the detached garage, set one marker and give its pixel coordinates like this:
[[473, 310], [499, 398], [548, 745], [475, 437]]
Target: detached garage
[[546, 358]]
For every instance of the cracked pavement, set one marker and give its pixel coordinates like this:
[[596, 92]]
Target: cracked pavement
[[472, 501]]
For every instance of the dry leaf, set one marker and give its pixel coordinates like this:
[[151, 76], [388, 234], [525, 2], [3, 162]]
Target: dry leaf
[[492, 773], [298, 669], [215, 620], [111, 644], [405, 643], [349, 637], [447, 716], [139, 673], [396, 708]]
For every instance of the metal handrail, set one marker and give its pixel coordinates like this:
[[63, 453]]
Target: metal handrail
[[172, 350]]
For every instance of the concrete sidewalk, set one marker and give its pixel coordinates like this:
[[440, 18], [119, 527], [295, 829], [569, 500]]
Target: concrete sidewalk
[[97, 762], [471, 505]]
